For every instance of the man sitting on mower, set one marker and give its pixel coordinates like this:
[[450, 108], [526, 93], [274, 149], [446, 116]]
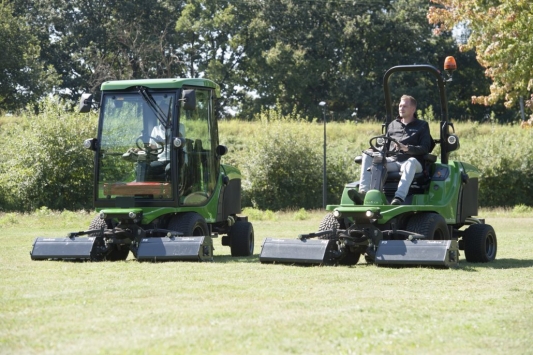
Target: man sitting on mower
[[414, 142], [158, 139]]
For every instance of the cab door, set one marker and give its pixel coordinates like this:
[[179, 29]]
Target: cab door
[[199, 167]]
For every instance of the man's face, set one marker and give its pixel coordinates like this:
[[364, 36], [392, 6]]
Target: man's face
[[406, 109]]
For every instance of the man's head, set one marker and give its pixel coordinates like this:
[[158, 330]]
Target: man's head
[[407, 107]]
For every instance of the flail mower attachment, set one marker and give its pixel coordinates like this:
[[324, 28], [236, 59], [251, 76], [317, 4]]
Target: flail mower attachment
[[72, 247], [303, 250], [175, 249], [115, 244], [444, 253], [344, 247]]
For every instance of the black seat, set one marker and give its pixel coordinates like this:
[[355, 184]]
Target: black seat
[[420, 181], [429, 159]]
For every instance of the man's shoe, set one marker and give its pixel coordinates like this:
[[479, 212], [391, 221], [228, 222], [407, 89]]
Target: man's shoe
[[397, 201], [357, 197]]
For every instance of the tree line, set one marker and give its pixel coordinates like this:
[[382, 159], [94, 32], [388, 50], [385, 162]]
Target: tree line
[[288, 54]]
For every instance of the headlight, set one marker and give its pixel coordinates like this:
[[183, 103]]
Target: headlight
[[177, 142], [90, 143]]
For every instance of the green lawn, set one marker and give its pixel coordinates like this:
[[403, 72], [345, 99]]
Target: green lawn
[[239, 306]]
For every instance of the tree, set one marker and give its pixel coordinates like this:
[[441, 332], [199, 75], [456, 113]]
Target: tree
[[215, 45], [89, 42], [304, 52], [24, 77], [501, 36]]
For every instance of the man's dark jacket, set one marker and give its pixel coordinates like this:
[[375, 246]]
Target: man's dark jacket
[[415, 135]]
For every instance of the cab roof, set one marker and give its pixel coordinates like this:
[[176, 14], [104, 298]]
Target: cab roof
[[171, 83]]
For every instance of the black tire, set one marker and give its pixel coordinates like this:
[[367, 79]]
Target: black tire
[[480, 243], [97, 223], [241, 236], [329, 222], [190, 224], [350, 258], [432, 225], [114, 252]]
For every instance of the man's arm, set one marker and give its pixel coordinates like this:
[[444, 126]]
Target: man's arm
[[424, 142]]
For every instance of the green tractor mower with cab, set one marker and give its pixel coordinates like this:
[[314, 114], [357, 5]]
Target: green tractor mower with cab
[[160, 188], [437, 220]]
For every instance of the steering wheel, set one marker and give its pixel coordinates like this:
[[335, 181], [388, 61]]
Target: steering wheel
[[146, 146], [381, 141]]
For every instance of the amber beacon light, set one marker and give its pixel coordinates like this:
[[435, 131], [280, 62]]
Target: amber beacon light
[[449, 64]]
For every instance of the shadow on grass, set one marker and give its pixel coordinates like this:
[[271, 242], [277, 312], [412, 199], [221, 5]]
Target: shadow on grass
[[496, 264], [234, 259]]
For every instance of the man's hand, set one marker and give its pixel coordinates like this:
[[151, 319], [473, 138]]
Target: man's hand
[[402, 147]]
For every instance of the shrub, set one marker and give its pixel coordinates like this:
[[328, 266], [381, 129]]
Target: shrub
[[283, 167], [503, 156], [44, 163]]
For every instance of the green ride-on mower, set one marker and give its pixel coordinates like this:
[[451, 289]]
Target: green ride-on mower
[[160, 188], [436, 221]]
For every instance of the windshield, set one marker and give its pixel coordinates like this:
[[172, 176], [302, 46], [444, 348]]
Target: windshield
[[136, 131]]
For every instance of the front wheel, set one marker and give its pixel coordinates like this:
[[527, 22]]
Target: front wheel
[[329, 222], [350, 258], [112, 252], [480, 243]]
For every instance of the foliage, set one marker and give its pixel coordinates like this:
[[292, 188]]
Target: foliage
[[91, 42], [280, 157], [311, 51], [24, 76], [503, 156], [264, 54], [500, 151], [44, 163], [500, 34], [283, 166]]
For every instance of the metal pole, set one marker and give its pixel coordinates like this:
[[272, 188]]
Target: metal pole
[[324, 180]]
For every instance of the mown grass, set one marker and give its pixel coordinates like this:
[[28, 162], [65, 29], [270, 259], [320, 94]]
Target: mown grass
[[239, 306]]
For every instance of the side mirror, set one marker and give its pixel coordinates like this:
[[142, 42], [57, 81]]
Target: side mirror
[[86, 101], [188, 100]]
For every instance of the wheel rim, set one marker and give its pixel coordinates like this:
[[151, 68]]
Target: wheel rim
[[490, 246], [251, 249]]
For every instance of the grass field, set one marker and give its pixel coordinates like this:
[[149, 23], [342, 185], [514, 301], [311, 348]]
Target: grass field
[[239, 306]]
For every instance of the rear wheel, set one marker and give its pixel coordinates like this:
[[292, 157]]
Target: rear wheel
[[432, 225], [480, 243], [241, 236]]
